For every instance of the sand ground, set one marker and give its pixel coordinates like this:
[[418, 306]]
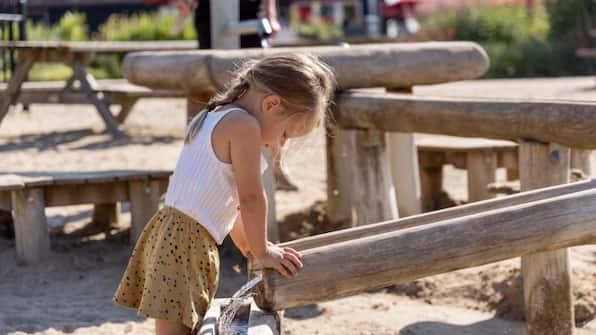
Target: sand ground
[[71, 291]]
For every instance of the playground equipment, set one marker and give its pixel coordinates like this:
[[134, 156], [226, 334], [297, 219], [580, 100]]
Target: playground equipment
[[536, 226]]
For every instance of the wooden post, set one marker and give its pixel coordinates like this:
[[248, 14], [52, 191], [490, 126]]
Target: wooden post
[[106, 216], [546, 275], [404, 168], [431, 184], [405, 171], [144, 201], [482, 169], [339, 175], [372, 191], [31, 231]]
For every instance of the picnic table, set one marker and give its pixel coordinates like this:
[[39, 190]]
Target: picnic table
[[77, 55]]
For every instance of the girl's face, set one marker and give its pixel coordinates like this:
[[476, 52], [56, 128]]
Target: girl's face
[[277, 126]]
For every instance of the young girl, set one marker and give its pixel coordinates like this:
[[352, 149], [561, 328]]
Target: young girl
[[172, 275]]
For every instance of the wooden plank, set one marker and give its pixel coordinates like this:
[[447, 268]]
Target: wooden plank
[[426, 142], [144, 202], [75, 194], [482, 171], [548, 299], [565, 122], [359, 66], [56, 48], [11, 94], [31, 231], [376, 261], [445, 214]]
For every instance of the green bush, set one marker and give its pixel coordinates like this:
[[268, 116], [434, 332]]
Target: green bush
[[144, 27], [516, 43], [71, 27]]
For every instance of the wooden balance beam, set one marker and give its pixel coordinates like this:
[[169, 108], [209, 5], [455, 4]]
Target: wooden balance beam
[[402, 255], [391, 65], [568, 123]]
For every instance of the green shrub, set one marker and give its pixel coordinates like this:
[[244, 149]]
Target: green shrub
[[517, 44], [144, 27], [71, 27]]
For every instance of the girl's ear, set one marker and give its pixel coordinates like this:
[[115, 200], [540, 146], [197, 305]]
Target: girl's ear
[[271, 101]]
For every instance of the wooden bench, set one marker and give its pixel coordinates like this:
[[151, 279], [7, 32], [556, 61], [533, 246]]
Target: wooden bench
[[27, 195], [114, 92], [480, 157]]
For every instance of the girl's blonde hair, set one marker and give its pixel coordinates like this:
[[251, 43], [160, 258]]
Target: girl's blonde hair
[[303, 82]]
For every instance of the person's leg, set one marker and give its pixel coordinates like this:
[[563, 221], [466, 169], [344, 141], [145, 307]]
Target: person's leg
[[249, 10], [282, 182], [202, 21], [167, 327]]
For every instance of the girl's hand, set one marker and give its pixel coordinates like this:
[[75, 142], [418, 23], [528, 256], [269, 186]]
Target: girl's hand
[[286, 260]]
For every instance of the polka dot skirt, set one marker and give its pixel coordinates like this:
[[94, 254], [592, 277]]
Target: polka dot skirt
[[173, 271]]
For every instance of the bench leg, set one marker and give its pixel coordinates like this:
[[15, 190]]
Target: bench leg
[[482, 168], [31, 230], [144, 201], [11, 94], [126, 107], [431, 187], [106, 216], [88, 87]]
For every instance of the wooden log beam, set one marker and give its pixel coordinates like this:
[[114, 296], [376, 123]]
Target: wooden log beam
[[568, 123], [445, 214], [376, 261], [369, 65]]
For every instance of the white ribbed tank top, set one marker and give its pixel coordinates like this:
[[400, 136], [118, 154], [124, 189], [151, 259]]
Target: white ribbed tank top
[[202, 186]]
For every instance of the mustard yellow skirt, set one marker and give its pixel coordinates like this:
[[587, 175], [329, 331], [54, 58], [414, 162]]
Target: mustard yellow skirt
[[173, 271]]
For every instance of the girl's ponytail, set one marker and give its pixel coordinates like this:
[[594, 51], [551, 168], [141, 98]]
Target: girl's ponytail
[[238, 88]]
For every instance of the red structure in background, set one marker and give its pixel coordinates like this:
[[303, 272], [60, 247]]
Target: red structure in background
[[396, 8]]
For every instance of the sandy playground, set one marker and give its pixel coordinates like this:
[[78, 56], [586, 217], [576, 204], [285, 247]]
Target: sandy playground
[[70, 293]]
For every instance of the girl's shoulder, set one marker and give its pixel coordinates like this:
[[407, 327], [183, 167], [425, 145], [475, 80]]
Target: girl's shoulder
[[235, 117]]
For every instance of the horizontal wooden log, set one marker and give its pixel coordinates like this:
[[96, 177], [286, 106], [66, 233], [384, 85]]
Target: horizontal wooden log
[[369, 65], [445, 214], [569, 123], [377, 261]]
